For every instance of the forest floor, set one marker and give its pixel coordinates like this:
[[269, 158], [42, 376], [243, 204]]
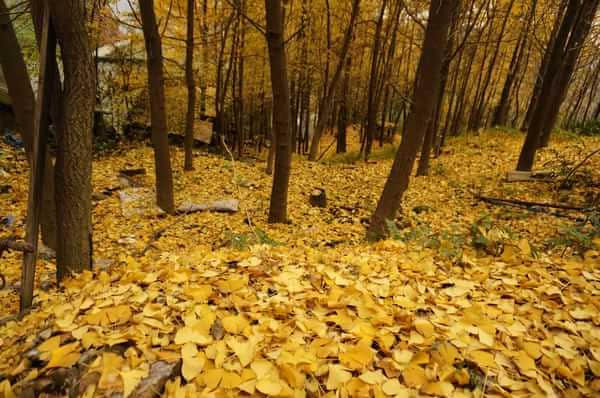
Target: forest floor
[[469, 299]]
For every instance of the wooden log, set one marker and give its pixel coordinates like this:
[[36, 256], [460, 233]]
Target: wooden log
[[528, 176], [40, 137]]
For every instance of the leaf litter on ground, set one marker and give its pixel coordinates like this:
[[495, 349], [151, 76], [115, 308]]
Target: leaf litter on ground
[[321, 313]]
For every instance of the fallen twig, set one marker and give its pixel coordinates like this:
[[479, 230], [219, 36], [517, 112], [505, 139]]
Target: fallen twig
[[578, 165], [526, 203]]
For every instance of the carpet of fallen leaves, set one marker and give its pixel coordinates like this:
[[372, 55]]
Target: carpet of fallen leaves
[[215, 305]]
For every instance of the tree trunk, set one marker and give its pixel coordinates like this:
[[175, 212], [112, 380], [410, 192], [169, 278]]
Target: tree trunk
[[23, 100], [158, 117], [371, 108], [501, 112], [325, 108], [74, 139], [188, 163], [574, 29], [426, 86], [281, 111], [544, 65]]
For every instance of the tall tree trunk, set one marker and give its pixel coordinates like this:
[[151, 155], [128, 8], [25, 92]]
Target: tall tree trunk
[[281, 111], [325, 107], [158, 117], [426, 86], [23, 100], [341, 146], [501, 112], [74, 139], [574, 29], [188, 163], [481, 101], [544, 65], [371, 108]]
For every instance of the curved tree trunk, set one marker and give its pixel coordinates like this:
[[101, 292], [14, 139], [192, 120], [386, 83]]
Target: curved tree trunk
[[427, 82]]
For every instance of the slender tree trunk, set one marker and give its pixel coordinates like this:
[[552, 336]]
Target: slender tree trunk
[[343, 118], [23, 100], [574, 29], [480, 107], [544, 65], [325, 107], [203, 83], [424, 99], [371, 108], [281, 111], [158, 117], [501, 112], [191, 88], [74, 139]]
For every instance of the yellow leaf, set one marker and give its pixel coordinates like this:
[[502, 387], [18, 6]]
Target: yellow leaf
[[359, 356], [244, 350], [188, 334], [230, 380], [269, 386], [6, 389], [192, 366], [338, 375], [394, 388], [414, 376], [65, 356], [439, 388], [524, 361], [483, 358], [235, 324], [111, 366], [131, 379], [200, 294], [262, 368], [292, 375], [371, 377], [50, 345], [212, 377], [424, 327]]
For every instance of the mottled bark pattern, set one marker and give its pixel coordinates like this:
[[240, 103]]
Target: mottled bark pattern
[[74, 138]]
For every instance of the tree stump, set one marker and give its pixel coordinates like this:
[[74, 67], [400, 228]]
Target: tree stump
[[318, 198]]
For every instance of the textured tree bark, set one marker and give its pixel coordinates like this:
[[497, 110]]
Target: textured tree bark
[[74, 139], [158, 117], [427, 82], [326, 104], [188, 163], [574, 29], [23, 100], [281, 111]]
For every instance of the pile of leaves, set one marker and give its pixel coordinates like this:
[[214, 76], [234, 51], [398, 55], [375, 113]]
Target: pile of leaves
[[309, 308]]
